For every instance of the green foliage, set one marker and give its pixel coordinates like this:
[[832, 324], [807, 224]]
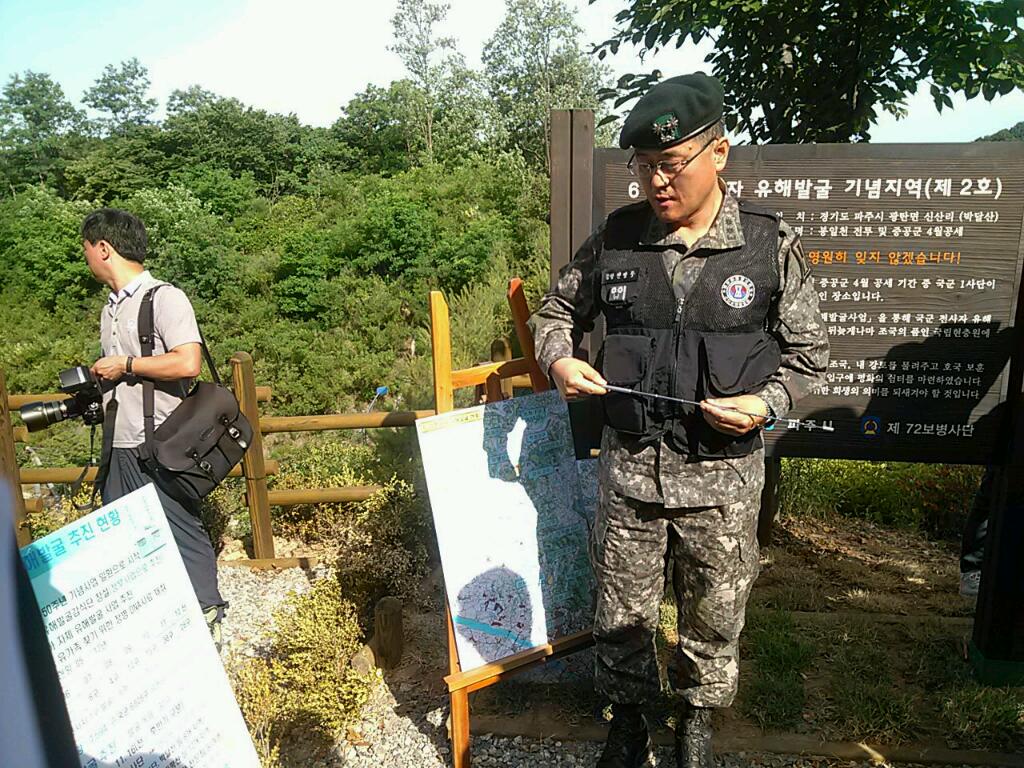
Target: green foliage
[[187, 244], [315, 635], [35, 122], [395, 237], [378, 124], [1013, 133], [533, 64], [120, 94], [113, 168], [820, 72], [932, 497], [42, 248], [220, 191]]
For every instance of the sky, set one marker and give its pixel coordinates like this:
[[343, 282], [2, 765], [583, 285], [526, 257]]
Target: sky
[[311, 56]]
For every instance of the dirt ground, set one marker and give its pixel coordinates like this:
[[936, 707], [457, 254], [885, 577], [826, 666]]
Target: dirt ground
[[843, 564], [859, 594]]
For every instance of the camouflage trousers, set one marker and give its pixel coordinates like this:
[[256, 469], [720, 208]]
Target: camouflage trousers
[[712, 556]]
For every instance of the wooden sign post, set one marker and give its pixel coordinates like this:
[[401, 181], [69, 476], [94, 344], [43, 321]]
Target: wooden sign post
[[10, 480]]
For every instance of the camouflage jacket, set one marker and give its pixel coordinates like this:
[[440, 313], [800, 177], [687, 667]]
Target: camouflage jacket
[[657, 473]]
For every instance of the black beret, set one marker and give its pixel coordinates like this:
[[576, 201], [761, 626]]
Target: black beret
[[673, 111]]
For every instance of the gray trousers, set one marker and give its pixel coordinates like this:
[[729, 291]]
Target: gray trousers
[[713, 554], [127, 475]]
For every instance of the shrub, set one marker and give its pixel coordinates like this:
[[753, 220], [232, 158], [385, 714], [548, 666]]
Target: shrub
[[222, 511], [63, 513], [382, 547], [315, 636], [931, 497], [320, 465], [260, 705]]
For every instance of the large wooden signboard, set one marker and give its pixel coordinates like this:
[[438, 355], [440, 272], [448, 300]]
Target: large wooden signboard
[[916, 252]]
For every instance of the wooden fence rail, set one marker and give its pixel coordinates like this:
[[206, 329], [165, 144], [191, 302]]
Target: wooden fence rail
[[254, 467], [36, 475], [269, 424]]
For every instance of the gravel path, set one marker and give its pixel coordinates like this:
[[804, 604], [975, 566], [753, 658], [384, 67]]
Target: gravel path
[[252, 597], [410, 731]]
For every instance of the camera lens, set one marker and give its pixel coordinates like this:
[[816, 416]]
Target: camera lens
[[41, 415]]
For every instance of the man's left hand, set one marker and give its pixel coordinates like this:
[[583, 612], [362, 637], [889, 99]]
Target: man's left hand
[[110, 368], [724, 413]]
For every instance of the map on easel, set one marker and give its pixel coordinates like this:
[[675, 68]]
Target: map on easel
[[512, 509]]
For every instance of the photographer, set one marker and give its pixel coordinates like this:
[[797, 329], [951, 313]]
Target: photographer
[[114, 243]]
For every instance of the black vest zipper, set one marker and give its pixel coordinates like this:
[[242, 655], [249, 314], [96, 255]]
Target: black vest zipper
[[680, 302]]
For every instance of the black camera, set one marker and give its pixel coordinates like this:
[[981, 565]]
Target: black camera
[[86, 401]]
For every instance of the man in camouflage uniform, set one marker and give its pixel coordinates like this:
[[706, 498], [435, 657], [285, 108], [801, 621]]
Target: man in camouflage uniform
[[708, 298]]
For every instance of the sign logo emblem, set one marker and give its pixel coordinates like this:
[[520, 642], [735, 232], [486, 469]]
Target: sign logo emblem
[[870, 426], [738, 291]]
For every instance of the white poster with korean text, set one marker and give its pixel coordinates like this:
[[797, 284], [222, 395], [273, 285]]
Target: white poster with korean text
[[143, 682]]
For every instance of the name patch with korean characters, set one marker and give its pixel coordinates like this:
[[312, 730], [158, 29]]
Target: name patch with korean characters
[[617, 283]]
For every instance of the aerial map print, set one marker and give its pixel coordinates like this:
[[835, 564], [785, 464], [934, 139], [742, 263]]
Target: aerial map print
[[512, 510]]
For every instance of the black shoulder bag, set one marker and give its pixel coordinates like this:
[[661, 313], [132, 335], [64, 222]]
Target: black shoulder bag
[[196, 446]]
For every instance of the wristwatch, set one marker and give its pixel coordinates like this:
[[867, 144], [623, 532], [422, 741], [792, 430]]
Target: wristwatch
[[128, 364]]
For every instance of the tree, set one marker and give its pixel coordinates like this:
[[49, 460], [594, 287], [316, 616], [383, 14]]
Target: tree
[[534, 64], [189, 100], [430, 59], [809, 71], [120, 93], [1014, 133], [224, 133], [381, 128], [35, 121]]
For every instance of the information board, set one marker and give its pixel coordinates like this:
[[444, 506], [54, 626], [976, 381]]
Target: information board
[[144, 685], [512, 510], [916, 252]]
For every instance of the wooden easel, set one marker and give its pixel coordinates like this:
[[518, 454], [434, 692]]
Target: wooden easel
[[490, 375]]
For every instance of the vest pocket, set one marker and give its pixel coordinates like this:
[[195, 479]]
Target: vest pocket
[[739, 363], [626, 362]]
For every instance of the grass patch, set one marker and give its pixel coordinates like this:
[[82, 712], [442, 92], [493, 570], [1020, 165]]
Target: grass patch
[[985, 718], [859, 680], [774, 695], [868, 699]]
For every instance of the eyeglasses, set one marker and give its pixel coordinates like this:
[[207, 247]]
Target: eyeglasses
[[669, 169]]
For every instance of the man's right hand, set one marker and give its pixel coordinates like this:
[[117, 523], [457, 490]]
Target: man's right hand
[[575, 378]]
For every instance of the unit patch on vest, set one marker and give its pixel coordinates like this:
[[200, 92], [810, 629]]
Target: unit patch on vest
[[621, 276], [738, 291]]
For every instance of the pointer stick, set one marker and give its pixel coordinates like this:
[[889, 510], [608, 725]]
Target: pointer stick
[[625, 391]]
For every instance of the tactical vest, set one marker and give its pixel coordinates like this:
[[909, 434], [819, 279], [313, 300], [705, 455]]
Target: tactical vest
[[714, 343]]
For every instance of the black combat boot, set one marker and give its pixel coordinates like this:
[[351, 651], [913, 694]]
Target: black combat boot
[[693, 738], [629, 742]]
